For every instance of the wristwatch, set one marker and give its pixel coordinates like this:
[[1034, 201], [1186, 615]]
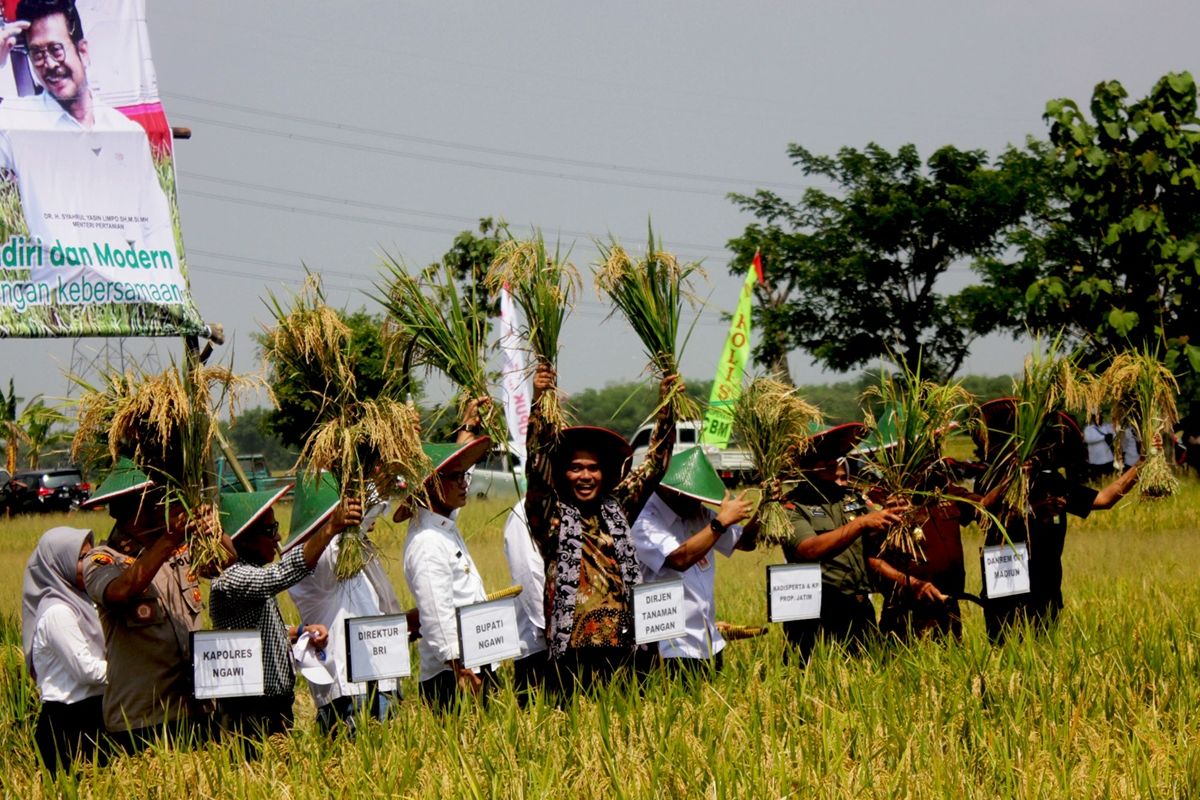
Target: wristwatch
[[718, 527]]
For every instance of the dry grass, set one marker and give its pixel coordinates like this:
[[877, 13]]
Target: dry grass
[[1142, 393], [165, 423], [360, 440], [915, 417], [650, 294], [774, 423]]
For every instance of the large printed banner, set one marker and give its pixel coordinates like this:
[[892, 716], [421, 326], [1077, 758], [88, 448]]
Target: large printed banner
[[89, 222]]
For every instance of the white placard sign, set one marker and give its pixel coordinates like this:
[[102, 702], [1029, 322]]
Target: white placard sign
[[658, 611], [377, 648], [793, 592], [487, 632], [227, 664], [1006, 569]]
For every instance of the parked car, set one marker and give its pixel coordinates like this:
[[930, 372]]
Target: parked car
[[39, 491], [500, 474], [255, 468], [734, 464]]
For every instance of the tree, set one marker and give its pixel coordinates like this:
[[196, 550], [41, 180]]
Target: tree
[[469, 257], [252, 433], [1114, 255], [14, 434], [855, 275], [39, 422]]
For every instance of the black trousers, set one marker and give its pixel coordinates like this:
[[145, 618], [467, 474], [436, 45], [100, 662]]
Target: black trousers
[[68, 732], [529, 674], [441, 691], [582, 668], [848, 620], [257, 716]]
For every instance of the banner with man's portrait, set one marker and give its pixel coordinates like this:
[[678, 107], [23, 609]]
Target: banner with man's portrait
[[89, 221]]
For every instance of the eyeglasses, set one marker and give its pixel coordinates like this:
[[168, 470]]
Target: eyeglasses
[[268, 530], [54, 50], [454, 477]]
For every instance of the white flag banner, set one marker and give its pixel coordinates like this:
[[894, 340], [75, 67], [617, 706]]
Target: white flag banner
[[517, 394]]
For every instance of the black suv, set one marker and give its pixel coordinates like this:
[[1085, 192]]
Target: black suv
[[47, 490]]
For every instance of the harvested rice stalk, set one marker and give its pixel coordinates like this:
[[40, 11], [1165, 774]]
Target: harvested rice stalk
[[443, 331], [650, 294], [1051, 382], [367, 443], [1142, 392], [774, 424], [907, 461], [165, 423], [544, 286]]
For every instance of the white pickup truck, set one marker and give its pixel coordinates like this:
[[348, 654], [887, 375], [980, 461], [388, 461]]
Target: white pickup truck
[[733, 464]]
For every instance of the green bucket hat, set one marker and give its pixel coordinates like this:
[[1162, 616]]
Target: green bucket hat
[[692, 475], [123, 479], [448, 455], [313, 503], [240, 510]]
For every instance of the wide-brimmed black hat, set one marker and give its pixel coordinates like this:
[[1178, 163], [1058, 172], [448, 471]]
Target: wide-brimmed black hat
[[1063, 433], [833, 442], [610, 447]]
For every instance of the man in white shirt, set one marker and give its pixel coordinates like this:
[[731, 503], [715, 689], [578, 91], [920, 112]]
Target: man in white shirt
[[442, 576], [528, 570], [322, 599], [675, 535], [89, 188]]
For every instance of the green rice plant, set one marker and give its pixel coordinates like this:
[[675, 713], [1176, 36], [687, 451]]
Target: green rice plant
[[362, 441], [1142, 393], [166, 424], [650, 294], [441, 330], [1051, 382], [907, 463], [544, 286], [774, 423]]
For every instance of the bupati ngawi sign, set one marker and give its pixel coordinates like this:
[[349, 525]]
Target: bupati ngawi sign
[[89, 222]]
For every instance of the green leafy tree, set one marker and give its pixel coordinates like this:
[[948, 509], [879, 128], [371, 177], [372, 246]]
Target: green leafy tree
[[1114, 255], [43, 434], [252, 433], [858, 273], [469, 257]]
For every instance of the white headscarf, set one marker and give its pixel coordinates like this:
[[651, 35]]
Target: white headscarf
[[50, 578]]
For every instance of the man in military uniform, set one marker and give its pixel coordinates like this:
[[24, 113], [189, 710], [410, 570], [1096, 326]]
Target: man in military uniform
[[825, 533], [149, 603]]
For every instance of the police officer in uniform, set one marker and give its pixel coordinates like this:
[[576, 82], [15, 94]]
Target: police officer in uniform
[[149, 602], [824, 533]]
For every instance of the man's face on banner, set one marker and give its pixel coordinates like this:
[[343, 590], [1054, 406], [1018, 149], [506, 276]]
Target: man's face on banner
[[58, 62]]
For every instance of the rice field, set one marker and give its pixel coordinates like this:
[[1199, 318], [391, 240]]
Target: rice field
[[1106, 705]]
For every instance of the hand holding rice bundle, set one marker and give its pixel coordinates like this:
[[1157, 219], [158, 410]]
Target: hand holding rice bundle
[[437, 328], [165, 424], [367, 443], [774, 424], [906, 459], [1142, 392], [650, 294], [544, 286], [1027, 427]]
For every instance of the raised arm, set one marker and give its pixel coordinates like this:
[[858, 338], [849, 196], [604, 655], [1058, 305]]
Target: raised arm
[[540, 498], [634, 492], [820, 546]]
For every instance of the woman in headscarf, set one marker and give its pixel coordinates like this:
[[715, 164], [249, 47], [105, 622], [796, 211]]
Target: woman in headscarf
[[64, 648], [580, 505]]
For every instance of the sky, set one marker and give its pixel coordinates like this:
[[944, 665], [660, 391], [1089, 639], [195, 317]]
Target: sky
[[328, 134]]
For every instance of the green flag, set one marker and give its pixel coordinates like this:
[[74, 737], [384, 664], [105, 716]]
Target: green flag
[[727, 386]]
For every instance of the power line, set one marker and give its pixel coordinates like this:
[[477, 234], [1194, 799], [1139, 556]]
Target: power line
[[459, 162], [396, 209], [485, 149]]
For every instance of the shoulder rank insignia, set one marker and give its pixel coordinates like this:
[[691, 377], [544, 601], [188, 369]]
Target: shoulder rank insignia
[[103, 559]]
